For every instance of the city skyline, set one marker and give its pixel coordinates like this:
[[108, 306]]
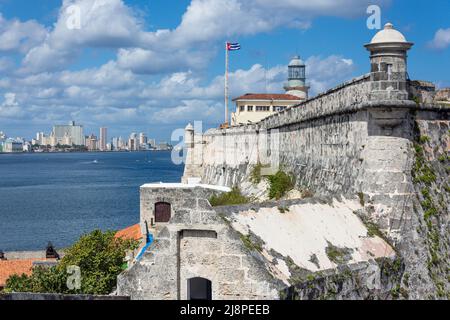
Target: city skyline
[[72, 137], [149, 71]]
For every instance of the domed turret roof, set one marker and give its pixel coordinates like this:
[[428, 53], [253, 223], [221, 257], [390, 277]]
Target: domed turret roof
[[189, 127], [296, 61], [388, 34]]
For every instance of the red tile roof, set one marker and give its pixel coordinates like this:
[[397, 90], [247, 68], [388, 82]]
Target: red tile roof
[[12, 267], [133, 232], [267, 96]]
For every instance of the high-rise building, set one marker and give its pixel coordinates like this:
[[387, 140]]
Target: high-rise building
[[40, 138], [12, 146], [133, 142], [92, 142], [142, 138], [115, 143], [73, 130], [121, 144], [103, 139], [152, 142]]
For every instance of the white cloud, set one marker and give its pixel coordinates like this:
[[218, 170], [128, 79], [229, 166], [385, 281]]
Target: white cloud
[[10, 107], [206, 110], [112, 24], [104, 23], [325, 73], [20, 36], [142, 61], [441, 39]]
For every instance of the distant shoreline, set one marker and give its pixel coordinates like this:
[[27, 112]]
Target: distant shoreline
[[88, 152]]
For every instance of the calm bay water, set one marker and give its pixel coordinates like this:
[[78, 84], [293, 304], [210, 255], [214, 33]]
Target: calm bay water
[[57, 197]]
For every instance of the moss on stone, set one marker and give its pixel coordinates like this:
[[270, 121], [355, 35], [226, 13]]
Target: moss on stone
[[255, 174], [249, 244], [338, 255], [424, 139], [361, 199]]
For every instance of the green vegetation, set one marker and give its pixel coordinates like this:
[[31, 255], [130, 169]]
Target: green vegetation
[[255, 174], [426, 178], [100, 257], [234, 197], [424, 139], [336, 254], [422, 172], [443, 158], [280, 184], [249, 244], [361, 199], [447, 188], [373, 230]]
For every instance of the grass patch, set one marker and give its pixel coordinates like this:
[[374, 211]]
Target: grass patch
[[234, 197], [280, 184]]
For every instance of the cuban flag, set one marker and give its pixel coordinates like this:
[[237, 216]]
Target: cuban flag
[[233, 46]]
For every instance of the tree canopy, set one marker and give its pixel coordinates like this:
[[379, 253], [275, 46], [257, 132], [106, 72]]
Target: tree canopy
[[100, 257]]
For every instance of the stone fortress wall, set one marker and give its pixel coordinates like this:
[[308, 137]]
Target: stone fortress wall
[[196, 243], [356, 140]]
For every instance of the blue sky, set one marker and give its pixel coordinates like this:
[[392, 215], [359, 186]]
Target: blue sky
[[154, 65]]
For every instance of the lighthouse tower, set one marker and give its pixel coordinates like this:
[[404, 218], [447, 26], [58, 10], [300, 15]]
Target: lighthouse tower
[[296, 84]]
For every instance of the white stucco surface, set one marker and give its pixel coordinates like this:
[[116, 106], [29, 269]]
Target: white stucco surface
[[307, 229]]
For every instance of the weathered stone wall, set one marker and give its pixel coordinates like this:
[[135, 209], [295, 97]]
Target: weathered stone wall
[[179, 197], [343, 143], [426, 236], [196, 243], [296, 137], [376, 280]]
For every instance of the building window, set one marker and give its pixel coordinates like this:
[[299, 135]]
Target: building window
[[249, 108], [262, 108], [199, 289], [162, 212], [242, 108], [389, 71], [279, 108]]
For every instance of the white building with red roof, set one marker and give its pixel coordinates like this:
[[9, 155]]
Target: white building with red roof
[[253, 107]]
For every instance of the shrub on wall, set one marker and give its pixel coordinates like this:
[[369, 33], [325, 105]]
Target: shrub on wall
[[234, 197], [280, 184]]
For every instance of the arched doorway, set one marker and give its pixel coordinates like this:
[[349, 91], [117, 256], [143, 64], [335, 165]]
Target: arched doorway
[[162, 212], [199, 289]]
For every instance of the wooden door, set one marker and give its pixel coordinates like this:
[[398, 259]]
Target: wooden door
[[162, 212]]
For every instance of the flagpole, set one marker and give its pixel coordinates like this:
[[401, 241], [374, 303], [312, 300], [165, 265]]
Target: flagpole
[[226, 83]]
